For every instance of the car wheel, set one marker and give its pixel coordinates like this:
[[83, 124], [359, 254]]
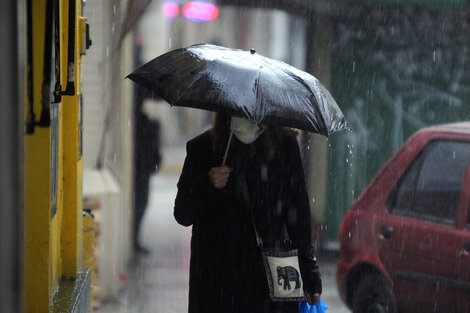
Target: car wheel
[[374, 295]]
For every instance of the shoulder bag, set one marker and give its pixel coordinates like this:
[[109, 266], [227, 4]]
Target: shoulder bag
[[281, 266]]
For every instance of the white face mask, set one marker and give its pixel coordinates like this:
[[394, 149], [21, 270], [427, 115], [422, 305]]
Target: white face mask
[[244, 130]]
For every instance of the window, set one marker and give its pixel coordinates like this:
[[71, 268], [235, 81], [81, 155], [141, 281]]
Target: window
[[430, 188]]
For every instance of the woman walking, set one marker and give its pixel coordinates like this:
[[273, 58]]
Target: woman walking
[[263, 177]]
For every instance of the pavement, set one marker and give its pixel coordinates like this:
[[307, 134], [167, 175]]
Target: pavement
[[158, 282]]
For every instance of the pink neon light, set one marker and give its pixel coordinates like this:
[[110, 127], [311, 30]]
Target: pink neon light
[[200, 11], [170, 9]]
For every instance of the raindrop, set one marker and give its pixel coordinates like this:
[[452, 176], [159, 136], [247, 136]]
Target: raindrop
[[308, 147], [169, 42], [349, 234], [114, 157], [264, 173], [313, 199], [434, 56], [453, 155], [279, 207], [352, 192], [107, 51], [347, 160], [114, 8], [112, 28]]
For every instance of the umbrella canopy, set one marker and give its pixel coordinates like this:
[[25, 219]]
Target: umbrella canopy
[[243, 84]]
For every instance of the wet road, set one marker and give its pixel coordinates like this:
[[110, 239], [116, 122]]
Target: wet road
[[158, 283]]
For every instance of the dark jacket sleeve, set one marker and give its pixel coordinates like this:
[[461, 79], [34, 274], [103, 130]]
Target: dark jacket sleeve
[[299, 220], [194, 187]]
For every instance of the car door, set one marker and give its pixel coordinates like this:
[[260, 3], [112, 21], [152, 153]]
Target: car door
[[417, 239], [462, 266]]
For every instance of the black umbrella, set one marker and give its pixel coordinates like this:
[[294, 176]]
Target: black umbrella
[[243, 84]]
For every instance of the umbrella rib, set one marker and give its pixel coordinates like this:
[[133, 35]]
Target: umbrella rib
[[301, 81], [285, 69], [197, 78], [258, 102]]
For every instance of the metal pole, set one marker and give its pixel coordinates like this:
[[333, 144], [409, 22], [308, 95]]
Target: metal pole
[[12, 57]]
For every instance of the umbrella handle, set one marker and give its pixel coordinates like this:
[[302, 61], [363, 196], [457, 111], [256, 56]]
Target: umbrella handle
[[228, 146]]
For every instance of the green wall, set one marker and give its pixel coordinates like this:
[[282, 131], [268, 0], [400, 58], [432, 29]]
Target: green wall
[[394, 72]]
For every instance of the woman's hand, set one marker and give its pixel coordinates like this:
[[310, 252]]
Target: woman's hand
[[312, 298], [219, 176]]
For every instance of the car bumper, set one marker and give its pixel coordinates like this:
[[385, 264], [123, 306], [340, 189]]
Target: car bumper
[[342, 272]]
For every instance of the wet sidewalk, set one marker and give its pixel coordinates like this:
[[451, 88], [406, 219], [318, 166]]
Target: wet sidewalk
[[158, 283]]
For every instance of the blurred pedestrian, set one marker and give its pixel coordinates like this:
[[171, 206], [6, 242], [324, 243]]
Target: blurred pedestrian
[[147, 159], [147, 156], [226, 270]]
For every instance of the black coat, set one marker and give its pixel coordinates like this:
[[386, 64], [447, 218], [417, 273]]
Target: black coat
[[226, 272]]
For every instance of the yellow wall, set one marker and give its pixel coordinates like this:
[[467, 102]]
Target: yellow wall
[[73, 168], [52, 244], [37, 189]]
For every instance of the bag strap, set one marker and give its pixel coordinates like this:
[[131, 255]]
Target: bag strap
[[285, 235], [251, 204]]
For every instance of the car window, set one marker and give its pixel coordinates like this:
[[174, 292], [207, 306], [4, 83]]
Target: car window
[[430, 188]]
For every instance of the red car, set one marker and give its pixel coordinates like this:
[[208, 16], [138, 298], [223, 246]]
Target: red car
[[405, 242]]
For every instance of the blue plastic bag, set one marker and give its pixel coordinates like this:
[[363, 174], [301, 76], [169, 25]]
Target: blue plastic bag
[[319, 307]]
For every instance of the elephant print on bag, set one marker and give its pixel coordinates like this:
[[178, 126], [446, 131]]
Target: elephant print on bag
[[288, 273]]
